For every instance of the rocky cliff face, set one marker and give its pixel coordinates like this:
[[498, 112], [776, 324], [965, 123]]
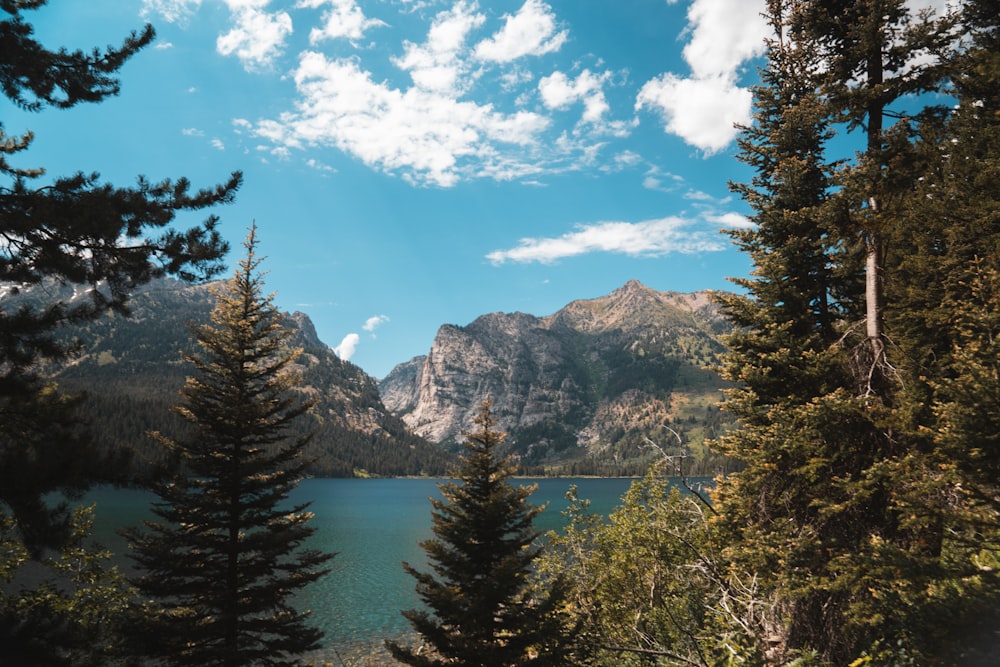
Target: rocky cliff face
[[591, 381]]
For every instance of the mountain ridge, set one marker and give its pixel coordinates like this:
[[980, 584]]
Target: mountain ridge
[[592, 381], [131, 369], [580, 391]]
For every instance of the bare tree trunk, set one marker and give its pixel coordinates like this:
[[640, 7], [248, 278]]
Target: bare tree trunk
[[874, 284]]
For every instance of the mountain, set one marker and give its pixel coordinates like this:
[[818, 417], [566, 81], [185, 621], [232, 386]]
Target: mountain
[[592, 389], [131, 370]]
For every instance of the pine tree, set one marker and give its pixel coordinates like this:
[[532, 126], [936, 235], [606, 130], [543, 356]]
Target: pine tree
[[789, 372], [843, 508], [482, 610], [873, 54], [225, 556], [947, 297], [72, 230]]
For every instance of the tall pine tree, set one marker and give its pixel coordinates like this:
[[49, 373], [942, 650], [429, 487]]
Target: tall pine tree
[[482, 610], [835, 510], [226, 555], [789, 372]]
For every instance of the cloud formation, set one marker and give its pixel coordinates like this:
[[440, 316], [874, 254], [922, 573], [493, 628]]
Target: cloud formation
[[426, 116], [703, 108], [650, 238], [374, 322], [559, 91], [531, 31], [257, 37], [174, 11], [430, 138], [347, 346], [434, 131], [342, 19]]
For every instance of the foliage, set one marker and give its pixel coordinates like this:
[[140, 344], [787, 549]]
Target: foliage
[[862, 343], [76, 230], [77, 610], [863, 528], [650, 585], [225, 556], [482, 610]]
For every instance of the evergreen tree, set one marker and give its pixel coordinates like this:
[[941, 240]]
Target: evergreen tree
[[945, 286], [849, 509], [225, 556], [72, 230], [483, 610], [872, 54]]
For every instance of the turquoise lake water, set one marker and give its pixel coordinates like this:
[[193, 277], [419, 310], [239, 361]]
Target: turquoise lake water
[[373, 525]]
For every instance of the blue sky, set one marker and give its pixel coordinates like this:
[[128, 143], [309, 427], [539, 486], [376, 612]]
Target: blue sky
[[413, 163]]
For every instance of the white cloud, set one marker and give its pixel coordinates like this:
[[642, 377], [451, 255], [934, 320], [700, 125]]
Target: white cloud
[[257, 37], [731, 221], [319, 166], [558, 92], [343, 19], [430, 137], [445, 124], [192, 132], [347, 346], [172, 11], [698, 195], [656, 179], [724, 35], [628, 158], [437, 65], [374, 322], [703, 108], [531, 31], [217, 144], [702, 112], [650, 238]]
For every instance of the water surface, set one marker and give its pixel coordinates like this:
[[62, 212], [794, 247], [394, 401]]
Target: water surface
[[373, 525]]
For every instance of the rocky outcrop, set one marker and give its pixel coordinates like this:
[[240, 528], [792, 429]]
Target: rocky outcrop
[[595, 378]]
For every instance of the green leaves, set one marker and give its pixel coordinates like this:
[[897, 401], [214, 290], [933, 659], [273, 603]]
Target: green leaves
[[76, 612]]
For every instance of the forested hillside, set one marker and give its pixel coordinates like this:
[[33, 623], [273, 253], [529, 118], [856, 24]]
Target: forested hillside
[[131, 369]]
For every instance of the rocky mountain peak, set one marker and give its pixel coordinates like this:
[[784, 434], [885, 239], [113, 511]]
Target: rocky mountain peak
[[305, 330], [585, 379]]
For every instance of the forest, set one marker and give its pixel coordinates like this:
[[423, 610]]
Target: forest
[[863, 524]]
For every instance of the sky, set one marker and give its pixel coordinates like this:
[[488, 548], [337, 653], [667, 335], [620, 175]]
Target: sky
[[414, 163]]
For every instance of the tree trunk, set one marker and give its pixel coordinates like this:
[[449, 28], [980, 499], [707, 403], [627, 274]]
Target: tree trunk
[[874, 288]]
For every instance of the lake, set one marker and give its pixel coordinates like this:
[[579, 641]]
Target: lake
[[373, 525]]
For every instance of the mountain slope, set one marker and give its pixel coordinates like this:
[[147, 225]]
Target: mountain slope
[[132, 369], [582, 391]]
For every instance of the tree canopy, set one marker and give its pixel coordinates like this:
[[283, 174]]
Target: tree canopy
[[863, 527]]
